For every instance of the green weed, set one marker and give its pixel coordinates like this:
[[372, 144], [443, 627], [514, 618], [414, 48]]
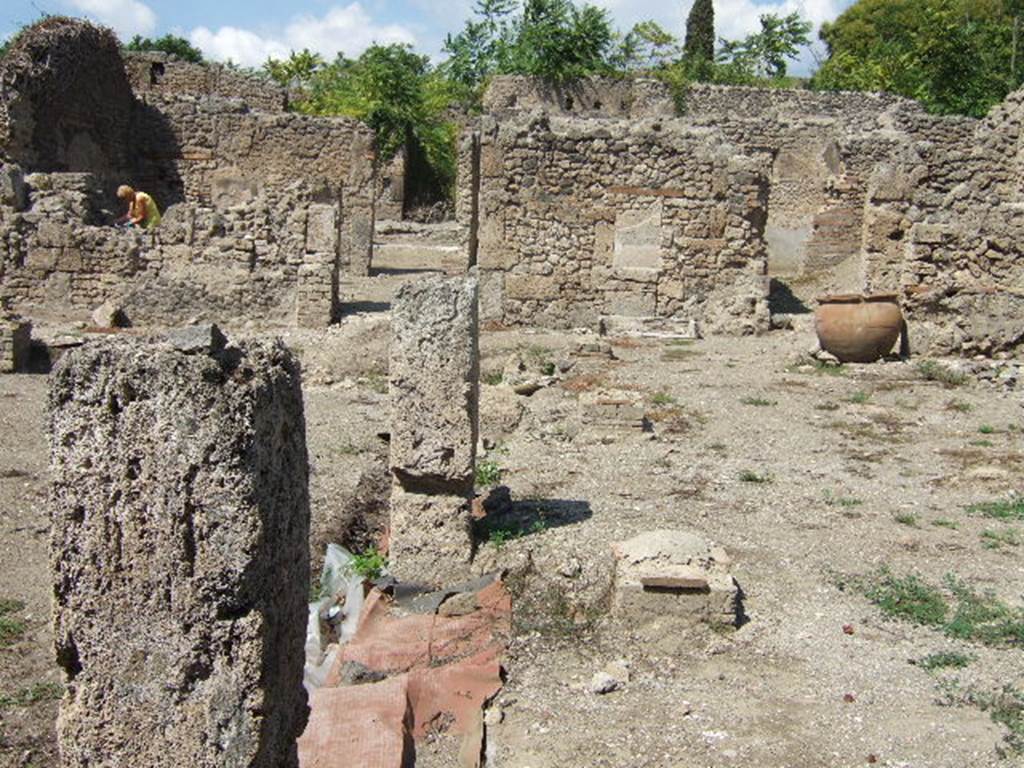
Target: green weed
[[1009, 509], [758, 401], [11, 628], [1010, 537], [662, 398], [908, 598], [492, 378], [369, 564], [987, 429], [981, 443], [961, 406], [860, 397], [488, 473], [908, 519], [841, 501], [944, 660], [943, 522], [931, 370], [33, 694], [749, 476]]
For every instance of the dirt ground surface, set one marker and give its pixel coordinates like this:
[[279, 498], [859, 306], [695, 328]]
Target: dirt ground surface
[[818, 482]]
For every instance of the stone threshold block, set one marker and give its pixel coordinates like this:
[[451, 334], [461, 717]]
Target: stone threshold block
[[180, 516], [674, 575]]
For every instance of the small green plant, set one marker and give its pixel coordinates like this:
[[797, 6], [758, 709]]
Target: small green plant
[[1007, 709], [841, 501], [987, 429], [860, 397], [908, 519], [758, 401], [908, 598], [981, 443], [961, 406], [943, 522], [11, 628], [34, 693], [828, 405], [945, 660], [369, 564], [662, 398], [931, 370], [680, 342], [749, 476], [983, 618], [1010, 537], [502, 535], [1009, 509], [492, 378], [377, 382], [488, 473]]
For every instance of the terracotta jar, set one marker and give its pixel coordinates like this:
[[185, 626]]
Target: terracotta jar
[[857, 328]]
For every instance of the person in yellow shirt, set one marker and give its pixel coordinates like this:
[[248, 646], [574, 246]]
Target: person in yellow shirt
[[142, 210]]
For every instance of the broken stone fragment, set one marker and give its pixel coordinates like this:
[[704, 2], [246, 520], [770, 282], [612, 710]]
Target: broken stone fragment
[[676, 576], [197, 339], [602, 683], [109, 315]]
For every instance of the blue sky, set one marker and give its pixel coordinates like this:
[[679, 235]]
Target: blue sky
[[247, 31]]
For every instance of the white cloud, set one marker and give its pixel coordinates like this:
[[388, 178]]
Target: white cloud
[[126, 17], [348, 29]]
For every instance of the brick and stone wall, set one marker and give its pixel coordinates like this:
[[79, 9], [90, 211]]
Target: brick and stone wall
[[215, 151], [581, 219], [155, 73], [273, 259], [265, 211]]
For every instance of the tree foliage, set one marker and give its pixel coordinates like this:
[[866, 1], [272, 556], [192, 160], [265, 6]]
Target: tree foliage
[[552, 39], [172, 44], [765, 53], [389, 87], [700, 32], [955, 56]]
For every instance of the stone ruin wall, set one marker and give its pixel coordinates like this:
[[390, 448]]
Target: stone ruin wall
[[159, 74], [65, 102], [858, 183], [264, 212], [578, 221]]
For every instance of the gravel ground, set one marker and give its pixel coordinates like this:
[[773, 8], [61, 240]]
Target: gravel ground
[[810, 480]]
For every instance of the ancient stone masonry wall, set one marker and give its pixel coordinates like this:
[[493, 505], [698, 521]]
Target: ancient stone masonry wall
[[583, 219], [273, 259], [217, 152], [65, 103], [153, 73], [179, 554]]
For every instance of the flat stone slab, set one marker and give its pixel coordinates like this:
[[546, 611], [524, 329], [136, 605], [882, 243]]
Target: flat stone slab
[[612, 408], [673, 574], [649, 327]]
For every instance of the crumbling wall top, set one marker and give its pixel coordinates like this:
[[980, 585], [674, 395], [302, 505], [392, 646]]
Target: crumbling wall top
[[65, 102], [154, 72]]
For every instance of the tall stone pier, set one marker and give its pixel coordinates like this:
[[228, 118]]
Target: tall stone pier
[[435, 362], [180, 515]]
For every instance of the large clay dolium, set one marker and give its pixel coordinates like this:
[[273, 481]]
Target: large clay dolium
[[856, 328]]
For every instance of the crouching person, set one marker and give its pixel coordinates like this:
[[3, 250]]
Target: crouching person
[[142, 210]]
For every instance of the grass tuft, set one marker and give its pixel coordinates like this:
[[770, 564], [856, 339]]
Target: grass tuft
[[931, 370], [488, 473], [944, 660], [1009, 509]]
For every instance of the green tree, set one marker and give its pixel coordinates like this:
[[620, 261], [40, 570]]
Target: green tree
[[398, 94], [173, 44], [955, 56], [764, 54], [552, 39], [297, 70], [648, 46], [700, 33]]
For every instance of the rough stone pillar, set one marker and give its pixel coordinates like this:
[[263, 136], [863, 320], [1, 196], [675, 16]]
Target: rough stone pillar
[[434, 374], [180, 515]]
